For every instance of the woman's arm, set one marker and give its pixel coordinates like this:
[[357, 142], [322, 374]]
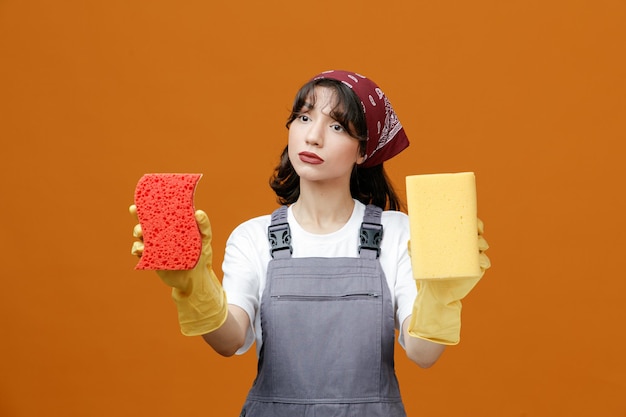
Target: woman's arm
[[231, 335], [423, 352]]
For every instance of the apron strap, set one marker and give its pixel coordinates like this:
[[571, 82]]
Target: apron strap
[[279, 235], [371, 234]]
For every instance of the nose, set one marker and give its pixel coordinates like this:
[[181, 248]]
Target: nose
[[315, 134]]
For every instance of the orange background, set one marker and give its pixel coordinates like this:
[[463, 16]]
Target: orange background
[[528, 94]]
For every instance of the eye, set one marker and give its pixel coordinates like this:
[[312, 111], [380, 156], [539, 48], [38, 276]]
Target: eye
[[304, 118], [337, 128]]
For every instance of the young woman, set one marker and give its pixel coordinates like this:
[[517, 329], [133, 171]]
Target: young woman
[[320, 285]]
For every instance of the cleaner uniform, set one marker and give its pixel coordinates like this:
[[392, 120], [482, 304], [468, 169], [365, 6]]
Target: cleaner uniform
[[327, 325]]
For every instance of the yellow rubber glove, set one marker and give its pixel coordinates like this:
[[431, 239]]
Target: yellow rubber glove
[[437, 308], [199, 296]]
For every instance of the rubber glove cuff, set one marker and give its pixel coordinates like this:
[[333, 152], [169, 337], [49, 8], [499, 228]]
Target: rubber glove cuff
[[202, 306]]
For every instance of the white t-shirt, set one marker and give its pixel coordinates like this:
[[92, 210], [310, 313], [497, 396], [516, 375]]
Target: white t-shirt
[[247, 256]]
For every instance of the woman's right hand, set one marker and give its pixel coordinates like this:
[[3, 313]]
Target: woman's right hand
[[198, 294], [179, 279]]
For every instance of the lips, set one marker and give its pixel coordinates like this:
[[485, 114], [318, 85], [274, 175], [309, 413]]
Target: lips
[[310, 158]]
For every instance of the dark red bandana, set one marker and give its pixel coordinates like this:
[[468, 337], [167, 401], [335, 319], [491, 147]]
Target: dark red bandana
[[386, 137]]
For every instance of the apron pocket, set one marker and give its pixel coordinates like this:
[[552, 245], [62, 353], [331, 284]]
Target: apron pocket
[[328, 346]]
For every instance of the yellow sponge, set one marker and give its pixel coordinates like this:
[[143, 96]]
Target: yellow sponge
[[444, 229]]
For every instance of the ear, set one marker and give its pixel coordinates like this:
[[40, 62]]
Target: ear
[[359, 159]]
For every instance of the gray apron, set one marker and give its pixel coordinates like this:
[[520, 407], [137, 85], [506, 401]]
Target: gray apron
[[328, 332]]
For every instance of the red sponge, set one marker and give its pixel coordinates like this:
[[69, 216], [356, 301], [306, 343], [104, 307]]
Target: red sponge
[[165, 210]]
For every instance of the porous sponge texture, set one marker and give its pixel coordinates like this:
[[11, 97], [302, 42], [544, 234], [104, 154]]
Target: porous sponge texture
[[443, 222], [165, 209]]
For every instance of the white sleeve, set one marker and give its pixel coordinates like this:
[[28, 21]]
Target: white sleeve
[[244, 267], [396, 237], [405, 290]]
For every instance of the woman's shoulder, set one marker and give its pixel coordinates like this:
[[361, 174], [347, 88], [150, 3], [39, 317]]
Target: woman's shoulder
[[395, 225], [394, 217], [252, 228]]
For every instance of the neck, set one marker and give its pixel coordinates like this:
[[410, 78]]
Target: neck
[[323, 210]]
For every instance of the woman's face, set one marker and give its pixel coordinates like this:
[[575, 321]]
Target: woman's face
[[320, 149]]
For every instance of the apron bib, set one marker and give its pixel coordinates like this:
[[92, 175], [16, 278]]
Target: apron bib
[[328, 332]]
